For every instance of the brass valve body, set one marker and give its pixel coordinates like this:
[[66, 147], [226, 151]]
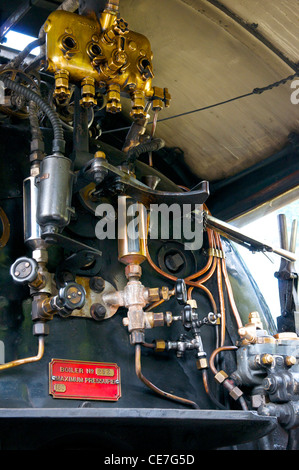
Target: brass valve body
[[103, 52]]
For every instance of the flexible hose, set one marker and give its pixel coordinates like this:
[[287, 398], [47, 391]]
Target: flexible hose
[[58, 141], [151, 146], [16, 62]]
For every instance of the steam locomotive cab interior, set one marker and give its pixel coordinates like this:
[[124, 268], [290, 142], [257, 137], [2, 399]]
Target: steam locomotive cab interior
[[136, 140]]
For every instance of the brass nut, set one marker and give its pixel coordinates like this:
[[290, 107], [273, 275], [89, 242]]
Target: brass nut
[[236, 393], [201, 363], [61, 84], [192, 303], [160, 345], [99, 154], [290, 361], [267, 359], [221, 376], [154, 294]]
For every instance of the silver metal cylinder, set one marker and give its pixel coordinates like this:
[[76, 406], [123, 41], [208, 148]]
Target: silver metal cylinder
[[32, 230], [55, 193]]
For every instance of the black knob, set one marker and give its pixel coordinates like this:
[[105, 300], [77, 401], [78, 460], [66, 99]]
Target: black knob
[[72, 296], [187, 317], [181, 291], [24, 270]]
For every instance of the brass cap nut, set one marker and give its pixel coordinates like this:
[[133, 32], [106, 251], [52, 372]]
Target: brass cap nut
[[201, 363], [267, 359], [290, 361], [236, 393], [99, 154], [221, 376], [160, 345]]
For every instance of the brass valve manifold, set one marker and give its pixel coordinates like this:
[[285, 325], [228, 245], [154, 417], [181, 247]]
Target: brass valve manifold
[[101, 53]]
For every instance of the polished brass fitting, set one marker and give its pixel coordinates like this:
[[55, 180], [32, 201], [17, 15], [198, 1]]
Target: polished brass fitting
[[138, 105], [160, 345], [248, 333], [221, 376], [105, 49], [113, 99], [290, 361], [202, 363], [267, 359], [88, 93], [62, 90]]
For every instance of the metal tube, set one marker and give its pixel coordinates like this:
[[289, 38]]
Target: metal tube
[[19, 362], [32, 230], [131, 244], [139, 374], [55, 193]]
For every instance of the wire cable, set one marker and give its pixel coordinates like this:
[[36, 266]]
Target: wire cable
[[255, 91]]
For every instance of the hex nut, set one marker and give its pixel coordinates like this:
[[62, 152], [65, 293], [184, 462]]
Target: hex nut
[[201, 363], [41, 328], [236, 393], [160, 345], [133, 270], [221, 376]]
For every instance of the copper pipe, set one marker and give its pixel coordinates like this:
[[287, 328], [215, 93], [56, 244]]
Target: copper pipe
[[229, 289], [173, 278], [153, 387], [221, 301], [210, 260], [214, 354], [231, 296], [154, 305], [205, 381], [19, 362], [148, 345]]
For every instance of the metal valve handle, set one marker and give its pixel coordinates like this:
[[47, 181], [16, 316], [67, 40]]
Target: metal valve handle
[[24, 270], [181, 291], [72, 296]]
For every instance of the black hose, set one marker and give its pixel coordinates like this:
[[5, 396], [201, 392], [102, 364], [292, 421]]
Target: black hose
[[16, 62], [151, 146], [58, 144]]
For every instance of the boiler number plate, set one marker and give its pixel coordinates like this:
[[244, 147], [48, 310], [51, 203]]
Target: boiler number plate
[[84, 380]]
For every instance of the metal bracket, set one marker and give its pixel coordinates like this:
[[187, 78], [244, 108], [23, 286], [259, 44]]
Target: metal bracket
[[132, 187]]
